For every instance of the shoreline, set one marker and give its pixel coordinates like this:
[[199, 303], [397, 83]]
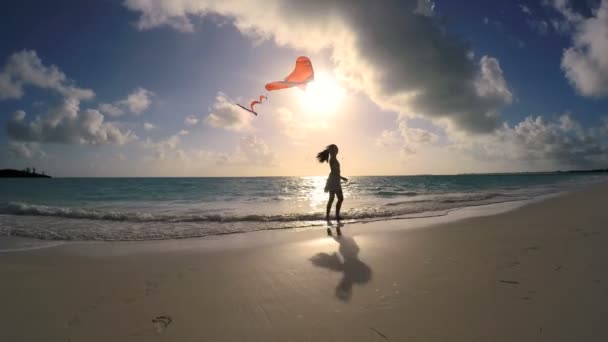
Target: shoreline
[[297, 205], [12, 244]]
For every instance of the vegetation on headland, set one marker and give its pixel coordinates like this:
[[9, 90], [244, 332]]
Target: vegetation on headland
[[585, 171], [26, 173]]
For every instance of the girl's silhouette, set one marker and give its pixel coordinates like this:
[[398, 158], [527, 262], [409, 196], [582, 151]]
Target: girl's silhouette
[[333, 185]]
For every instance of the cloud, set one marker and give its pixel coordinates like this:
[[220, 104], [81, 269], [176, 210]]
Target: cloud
[[66, 123], [136, 103], [110, 109], [26, 150], [393, 51], [564, 142], [425, 7], [191, 120], [560, 26], [297, 130], [251, 151], [25, 68], [407, 139], [389, 138], [585, 63], [225, 114], [148, 126], [164, 147], [540, 26], [255, 151], [563, 7], [490, 84], [525, 9]]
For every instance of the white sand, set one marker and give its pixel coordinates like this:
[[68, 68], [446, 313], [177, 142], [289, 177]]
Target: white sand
[[538, 273]]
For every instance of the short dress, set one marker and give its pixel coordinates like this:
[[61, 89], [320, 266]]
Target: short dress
[[333, 183]]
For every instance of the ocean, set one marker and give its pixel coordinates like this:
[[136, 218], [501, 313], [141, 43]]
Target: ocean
[[127, 209]]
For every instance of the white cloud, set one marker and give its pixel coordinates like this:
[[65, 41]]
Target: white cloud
[[138, 101], [191, 120], [66, 123], [563, 7], [389, 138], [135, 103], [110, 109], [148, 126], [411, 66], [251, 151], [586, 62], [165, 146], [25, 68], [490, 84], [297, 130], [26, 150], [563, 142], [256, 152], [407, 139], [225, 114]]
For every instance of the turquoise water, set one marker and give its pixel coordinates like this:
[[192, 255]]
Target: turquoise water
[[163, 208]]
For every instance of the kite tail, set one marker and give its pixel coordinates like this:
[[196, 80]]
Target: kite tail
[[253, 103], [249, 110]]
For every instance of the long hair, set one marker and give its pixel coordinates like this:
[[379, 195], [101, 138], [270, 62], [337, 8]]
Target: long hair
[[323, 156]]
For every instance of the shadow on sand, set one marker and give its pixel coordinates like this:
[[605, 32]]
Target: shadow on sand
[[354, 270]]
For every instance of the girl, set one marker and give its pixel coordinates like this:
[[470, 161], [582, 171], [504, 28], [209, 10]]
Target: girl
[[332, 185]]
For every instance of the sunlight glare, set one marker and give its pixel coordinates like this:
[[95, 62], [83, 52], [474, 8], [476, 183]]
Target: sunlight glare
[[323, 95]]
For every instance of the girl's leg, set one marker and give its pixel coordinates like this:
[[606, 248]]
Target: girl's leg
[[339, 204], [329, 203]]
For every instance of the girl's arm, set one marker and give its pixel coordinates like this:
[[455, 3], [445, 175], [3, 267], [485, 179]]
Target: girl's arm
[[344, 179]]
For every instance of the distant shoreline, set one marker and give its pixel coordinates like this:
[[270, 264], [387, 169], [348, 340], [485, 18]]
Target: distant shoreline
[[10, 173]]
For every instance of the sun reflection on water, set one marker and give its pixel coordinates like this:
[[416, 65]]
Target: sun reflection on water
[[311, 191]]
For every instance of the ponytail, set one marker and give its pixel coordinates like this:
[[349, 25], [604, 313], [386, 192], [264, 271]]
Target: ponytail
[[323, 156]]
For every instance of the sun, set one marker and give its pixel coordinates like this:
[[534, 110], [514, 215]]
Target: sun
[[323, 95]]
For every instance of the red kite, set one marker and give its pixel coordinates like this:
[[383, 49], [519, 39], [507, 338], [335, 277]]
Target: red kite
[[299, 77]]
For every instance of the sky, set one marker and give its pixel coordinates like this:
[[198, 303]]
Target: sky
[[138, 88]]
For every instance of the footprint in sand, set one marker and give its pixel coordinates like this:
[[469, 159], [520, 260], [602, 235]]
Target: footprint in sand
[[161, 323], [76, 320]]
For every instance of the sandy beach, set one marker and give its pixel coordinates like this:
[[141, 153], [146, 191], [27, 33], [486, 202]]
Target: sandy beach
[[537, 273]]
